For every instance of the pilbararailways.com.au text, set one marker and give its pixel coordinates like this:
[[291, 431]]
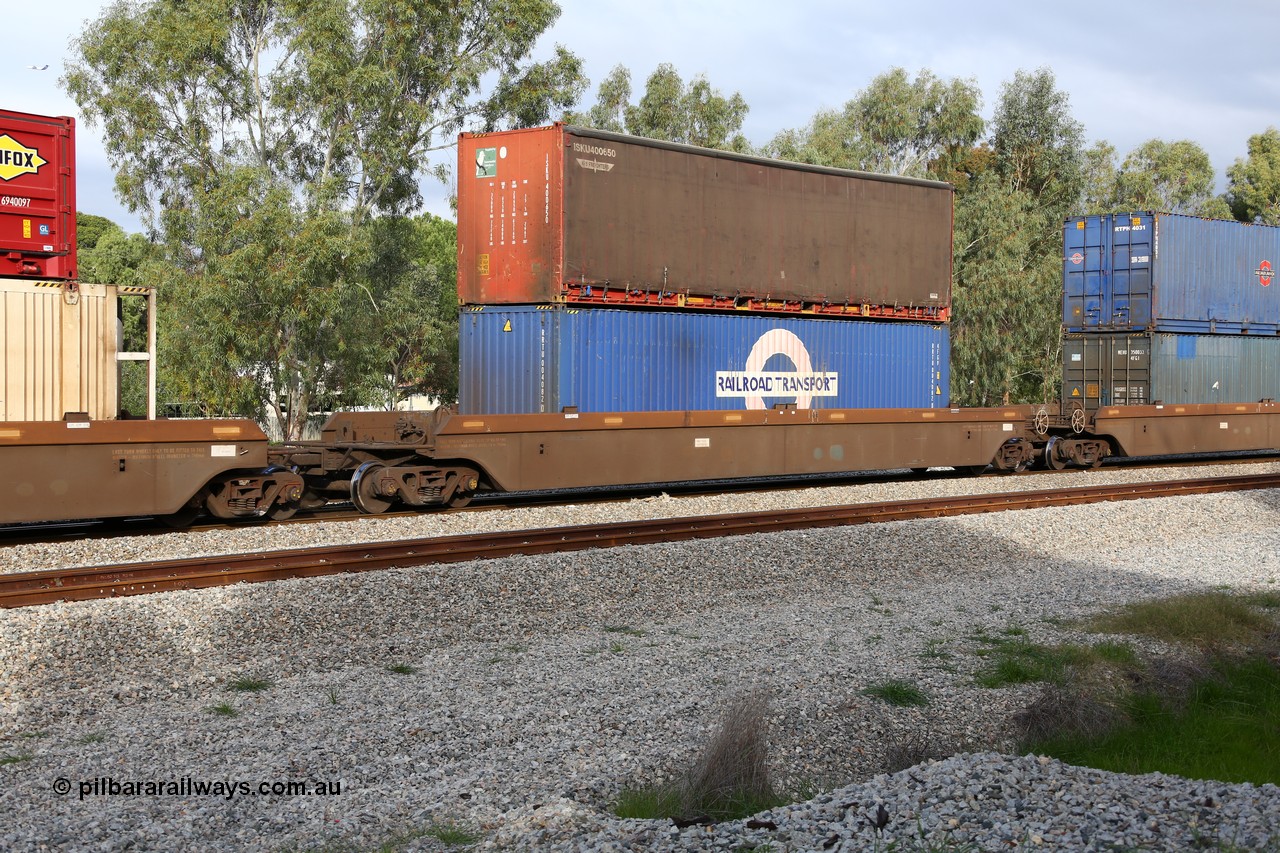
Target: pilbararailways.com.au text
[[186, 786]]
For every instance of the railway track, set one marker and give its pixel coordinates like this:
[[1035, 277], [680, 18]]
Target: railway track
[[44, 587]]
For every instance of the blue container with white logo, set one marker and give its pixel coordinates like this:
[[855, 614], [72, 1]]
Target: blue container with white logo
[[1164, 272], [522, 359]]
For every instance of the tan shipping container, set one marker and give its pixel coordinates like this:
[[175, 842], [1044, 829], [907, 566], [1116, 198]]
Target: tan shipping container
[[58, 350]]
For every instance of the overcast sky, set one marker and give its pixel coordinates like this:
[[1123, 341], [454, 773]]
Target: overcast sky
[[1180, 69]]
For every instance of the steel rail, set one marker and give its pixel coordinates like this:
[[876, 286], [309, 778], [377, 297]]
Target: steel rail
[[78, 584]]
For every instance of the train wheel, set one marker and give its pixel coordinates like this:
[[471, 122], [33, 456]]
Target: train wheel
[[1053, 460], [972, 470], [364, 489], [458, 501]]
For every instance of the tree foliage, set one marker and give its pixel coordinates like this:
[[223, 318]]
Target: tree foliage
[[1254, 182], [695, 113], [1173, 177], [107, 255], [260, 138], [1008, 266], [1101, 171], [896, 126]]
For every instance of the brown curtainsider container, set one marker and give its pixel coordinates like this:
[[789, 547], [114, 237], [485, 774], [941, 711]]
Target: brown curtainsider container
[[567, 214]]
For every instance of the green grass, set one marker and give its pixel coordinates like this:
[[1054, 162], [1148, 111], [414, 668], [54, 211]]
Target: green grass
[[1014, 660], [1213, 620], [402, 669], [668, 801], [224, 710], [648, 803], [14, 759], [623, 629], [1228, 731], [903, 694], [452, 835], [1210, 711], [247, 684]]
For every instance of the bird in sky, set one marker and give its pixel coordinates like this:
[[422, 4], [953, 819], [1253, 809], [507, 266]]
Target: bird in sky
[[38, 67]]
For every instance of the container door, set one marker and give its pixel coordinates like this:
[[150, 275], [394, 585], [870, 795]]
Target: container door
[[1085, 251], [1127, 302], [1128, 382], [1081, 373], [1106, 370]]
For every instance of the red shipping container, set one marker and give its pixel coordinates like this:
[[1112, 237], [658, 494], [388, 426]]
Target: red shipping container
[[37, 196], [571, 215]]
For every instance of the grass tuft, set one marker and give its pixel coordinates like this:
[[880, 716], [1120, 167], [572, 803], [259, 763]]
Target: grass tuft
[[902, 694], [728, 781], [452, 835], [402, 669], [1019, 661], [247, 684], [224, 710]]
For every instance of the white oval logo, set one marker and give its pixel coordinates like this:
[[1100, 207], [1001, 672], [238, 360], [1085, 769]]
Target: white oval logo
[[753, 383]]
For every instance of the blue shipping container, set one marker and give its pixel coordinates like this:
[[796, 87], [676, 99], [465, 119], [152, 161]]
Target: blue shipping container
[[522, 359], [1164, 272]]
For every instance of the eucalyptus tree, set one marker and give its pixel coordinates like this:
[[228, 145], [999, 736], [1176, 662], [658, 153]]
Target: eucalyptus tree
[[1101, 172], [1254, 182], [1172, 177], [257, 139], [695, 113], [896, 125], [1008, 269]]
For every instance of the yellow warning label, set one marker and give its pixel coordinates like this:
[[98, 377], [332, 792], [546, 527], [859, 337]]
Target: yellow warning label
[[506, 327], [1075, 392], [26, 229], [482, 264]]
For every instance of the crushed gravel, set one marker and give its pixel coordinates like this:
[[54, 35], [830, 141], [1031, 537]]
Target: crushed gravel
[[512, 700]]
